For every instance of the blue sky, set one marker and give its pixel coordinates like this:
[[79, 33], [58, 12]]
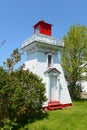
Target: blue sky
[[17, 18]]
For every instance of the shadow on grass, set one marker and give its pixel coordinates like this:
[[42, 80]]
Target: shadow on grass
[[32, 118], [80, 100]]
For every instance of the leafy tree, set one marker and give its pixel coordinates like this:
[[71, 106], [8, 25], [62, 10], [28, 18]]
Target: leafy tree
[[14, 58], [21, 93], [74, 57]]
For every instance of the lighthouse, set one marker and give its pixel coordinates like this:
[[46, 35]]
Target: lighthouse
[[42, 59]]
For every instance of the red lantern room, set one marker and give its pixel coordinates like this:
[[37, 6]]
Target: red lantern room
[[43, 28]]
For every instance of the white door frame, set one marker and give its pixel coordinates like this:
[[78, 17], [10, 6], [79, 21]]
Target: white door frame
[[55, 88]]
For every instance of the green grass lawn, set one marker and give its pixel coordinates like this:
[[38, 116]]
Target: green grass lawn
[[71, 118]]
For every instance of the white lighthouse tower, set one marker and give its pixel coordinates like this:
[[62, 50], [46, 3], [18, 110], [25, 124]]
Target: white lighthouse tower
[[42, 59]]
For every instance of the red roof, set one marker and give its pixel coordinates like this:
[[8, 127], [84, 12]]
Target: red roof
[[52, 69], [40, 22], [42, 28]]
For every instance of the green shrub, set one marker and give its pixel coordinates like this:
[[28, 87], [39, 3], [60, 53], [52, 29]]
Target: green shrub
[[7, 124], [21, 97]]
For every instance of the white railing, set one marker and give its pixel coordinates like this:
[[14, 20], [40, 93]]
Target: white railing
[[44, 39]]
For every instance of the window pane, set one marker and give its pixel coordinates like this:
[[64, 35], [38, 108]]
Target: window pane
[[49, 60]]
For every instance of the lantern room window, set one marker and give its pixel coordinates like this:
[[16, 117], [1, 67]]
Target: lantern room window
[[49, 60], [37, 30]]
